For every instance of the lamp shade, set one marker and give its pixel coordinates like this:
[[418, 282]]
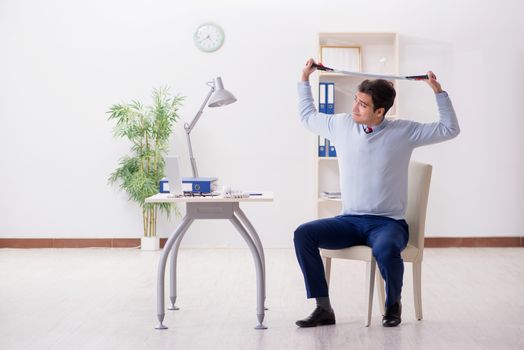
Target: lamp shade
[[221, 96]]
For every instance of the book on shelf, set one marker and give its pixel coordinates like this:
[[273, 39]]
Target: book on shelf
[[326, 97], [322, 151]]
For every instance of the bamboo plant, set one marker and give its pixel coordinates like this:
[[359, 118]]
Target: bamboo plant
[[148, 128]]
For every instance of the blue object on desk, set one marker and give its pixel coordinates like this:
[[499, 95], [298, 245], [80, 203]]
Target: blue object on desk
[[163, 185], [191, 185], [199, 184]]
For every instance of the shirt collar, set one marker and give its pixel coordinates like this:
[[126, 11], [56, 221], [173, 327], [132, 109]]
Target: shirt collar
[[377, 128]]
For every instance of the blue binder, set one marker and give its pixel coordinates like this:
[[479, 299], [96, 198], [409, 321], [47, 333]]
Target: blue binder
[[330, 98], [199, 184], [163, 185], [192, 184], [322, 152], [332, 152], [330, 149], [322, 90]]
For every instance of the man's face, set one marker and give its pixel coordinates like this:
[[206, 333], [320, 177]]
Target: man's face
[[362, 111]]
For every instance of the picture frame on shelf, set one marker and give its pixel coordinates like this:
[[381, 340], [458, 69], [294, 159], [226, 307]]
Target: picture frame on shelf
[[341, 57]]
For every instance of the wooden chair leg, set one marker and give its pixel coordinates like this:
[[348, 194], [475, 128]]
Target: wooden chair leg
[[417, 289], [370, 284], [381, 293]]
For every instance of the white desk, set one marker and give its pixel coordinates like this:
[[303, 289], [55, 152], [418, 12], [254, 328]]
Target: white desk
[[216, 207]]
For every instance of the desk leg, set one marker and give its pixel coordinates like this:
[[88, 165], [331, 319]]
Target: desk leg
[[172, 271], [256, 240], [259, 271], [186, 222]]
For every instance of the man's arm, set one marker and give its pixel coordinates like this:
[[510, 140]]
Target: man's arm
[[319, 123], [446, 128], [308, 70], [433, 83]]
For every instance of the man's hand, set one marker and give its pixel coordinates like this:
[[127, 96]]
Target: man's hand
[[433, 83], [308, 69]]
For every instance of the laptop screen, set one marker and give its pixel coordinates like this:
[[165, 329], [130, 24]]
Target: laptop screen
[[172, 170]]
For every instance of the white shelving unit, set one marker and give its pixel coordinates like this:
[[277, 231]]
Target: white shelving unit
[[379, 54]]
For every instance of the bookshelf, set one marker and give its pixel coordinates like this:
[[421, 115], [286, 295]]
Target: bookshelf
[[379, 54]]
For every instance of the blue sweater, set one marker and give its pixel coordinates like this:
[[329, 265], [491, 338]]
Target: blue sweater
[[374, 167]]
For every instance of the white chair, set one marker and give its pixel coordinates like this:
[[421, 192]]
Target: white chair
[[418, 191]]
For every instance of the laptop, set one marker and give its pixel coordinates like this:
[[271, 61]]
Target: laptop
[[172, 170]]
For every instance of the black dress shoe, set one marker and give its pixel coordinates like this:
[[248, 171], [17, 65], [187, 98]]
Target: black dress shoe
[[392, 316], [319, 317]]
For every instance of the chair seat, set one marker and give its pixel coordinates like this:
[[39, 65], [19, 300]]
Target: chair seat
[[358, 252], [363, 253]]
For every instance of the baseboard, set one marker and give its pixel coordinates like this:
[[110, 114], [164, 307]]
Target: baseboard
[[473, 242], [69, 242], [430, 242]]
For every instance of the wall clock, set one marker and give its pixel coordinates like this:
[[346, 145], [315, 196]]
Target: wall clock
[[209, 37]]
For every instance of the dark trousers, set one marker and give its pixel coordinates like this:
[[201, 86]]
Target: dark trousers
[[387, 237]]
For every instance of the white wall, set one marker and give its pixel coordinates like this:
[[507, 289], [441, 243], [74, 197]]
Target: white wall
[[63, 63]]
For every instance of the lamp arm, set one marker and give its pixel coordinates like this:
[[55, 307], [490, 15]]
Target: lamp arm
[[191, 158], [199, 113], [189, 127]]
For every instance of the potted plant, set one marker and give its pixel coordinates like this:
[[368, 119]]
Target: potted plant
[[139, 173]]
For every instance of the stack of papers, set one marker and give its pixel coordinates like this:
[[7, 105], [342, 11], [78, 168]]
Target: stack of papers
[[330, 195]]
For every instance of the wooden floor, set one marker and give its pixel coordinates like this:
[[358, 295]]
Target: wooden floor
[[473, 298]]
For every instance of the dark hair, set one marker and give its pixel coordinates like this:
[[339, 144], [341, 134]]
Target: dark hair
[[381, 91]]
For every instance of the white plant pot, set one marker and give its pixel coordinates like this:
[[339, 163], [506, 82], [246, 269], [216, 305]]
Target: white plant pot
[[150, 243]]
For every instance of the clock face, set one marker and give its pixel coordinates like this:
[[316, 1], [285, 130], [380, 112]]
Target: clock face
[[209, 37]]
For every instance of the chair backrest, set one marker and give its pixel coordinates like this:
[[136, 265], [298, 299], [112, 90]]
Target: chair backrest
[[419, 179]]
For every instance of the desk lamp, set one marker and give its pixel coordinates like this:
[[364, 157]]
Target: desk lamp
[[217, 97]]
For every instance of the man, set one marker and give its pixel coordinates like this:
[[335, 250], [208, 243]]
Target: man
[[373, 156]]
